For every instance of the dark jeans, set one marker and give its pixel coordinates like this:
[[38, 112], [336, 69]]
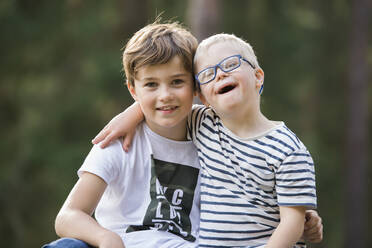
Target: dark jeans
[[67, 243]]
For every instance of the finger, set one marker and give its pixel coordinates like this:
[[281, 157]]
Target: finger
[[107, 140], [314, 235], [312, 220], [310, 214], [123, 144], [320, 235], [310, 224], [100, 136], [127, 141], [316, 238], [312, 230]]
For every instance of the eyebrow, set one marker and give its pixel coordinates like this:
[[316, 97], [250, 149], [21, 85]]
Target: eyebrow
[[148, 78], [171, 76], [179, 75]]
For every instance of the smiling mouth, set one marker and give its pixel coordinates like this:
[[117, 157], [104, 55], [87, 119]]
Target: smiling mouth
[[226, 89], [167, 108]]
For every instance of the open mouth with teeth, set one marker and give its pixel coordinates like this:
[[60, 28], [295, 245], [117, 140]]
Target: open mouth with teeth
[[167, 108], [226, 89]]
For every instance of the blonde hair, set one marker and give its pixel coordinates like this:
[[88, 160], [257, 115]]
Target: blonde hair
[[158, 43], [243, 47]]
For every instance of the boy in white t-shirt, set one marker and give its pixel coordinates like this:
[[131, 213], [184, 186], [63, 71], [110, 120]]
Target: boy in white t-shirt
[[257, 176], [148, 197]]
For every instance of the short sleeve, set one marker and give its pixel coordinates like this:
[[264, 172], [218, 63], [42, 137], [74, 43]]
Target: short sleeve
[[194, 120], [295, 180], [106, 163]]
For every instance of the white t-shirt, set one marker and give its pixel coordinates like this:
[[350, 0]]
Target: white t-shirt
[[152, 194]]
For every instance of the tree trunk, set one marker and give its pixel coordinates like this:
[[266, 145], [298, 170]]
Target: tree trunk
[[357, 128], [134, 17], [203, 17]]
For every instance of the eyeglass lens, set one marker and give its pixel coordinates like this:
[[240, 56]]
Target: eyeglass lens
[[225, 65]]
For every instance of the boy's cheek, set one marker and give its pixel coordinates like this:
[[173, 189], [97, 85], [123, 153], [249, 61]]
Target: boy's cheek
[[202, 98]]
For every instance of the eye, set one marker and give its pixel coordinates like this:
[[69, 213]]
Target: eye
[[230, 64], [206, 74], [150, 85], [177, 82]]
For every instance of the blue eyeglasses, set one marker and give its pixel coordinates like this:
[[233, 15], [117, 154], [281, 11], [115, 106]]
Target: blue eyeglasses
[[226, 65]]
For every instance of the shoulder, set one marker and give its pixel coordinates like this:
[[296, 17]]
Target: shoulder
[[287, 138], [281, 144], [201, 113], [104, 162], [294, 152], [201, 116], [110, 157], [114, 148], [197, 110]]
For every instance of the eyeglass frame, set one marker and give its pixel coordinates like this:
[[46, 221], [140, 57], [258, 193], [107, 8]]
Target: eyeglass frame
[[218, 65]]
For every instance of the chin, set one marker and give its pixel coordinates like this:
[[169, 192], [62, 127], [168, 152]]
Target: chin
[[169, 124], [227, 107]]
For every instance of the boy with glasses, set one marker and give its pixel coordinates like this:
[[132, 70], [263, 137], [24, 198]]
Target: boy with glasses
[[257, 177]]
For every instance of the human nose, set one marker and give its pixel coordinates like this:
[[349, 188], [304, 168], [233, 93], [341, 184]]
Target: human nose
[[166, 94], [220, 74]]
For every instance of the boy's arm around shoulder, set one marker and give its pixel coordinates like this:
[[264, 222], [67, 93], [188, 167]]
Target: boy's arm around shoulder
[[122, 125], [290, 228], [75, 217], [196, 117]]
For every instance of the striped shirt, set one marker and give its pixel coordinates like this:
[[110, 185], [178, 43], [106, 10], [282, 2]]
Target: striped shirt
[[244, 181]]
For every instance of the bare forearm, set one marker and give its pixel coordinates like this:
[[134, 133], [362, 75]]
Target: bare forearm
[[285, 235], [290, 228], [121, 125], [133, 114], [77, 224], [75, 219]]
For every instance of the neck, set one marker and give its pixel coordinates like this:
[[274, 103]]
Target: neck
[[177, 132], [246, 125]]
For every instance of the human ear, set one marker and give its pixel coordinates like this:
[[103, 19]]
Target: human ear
[[131, 90], [259, 74]]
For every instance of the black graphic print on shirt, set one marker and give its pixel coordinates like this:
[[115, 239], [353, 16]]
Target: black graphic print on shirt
[[172, 193]]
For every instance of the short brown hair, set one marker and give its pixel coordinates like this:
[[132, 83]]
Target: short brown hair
[[158, 43]]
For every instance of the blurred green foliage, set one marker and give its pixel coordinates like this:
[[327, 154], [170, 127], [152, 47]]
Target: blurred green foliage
[[61, 81]]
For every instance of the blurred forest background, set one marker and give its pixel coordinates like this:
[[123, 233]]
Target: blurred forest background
[[61, 81]]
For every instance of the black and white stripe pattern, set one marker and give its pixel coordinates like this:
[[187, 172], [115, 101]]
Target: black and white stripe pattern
[[245, 180]]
